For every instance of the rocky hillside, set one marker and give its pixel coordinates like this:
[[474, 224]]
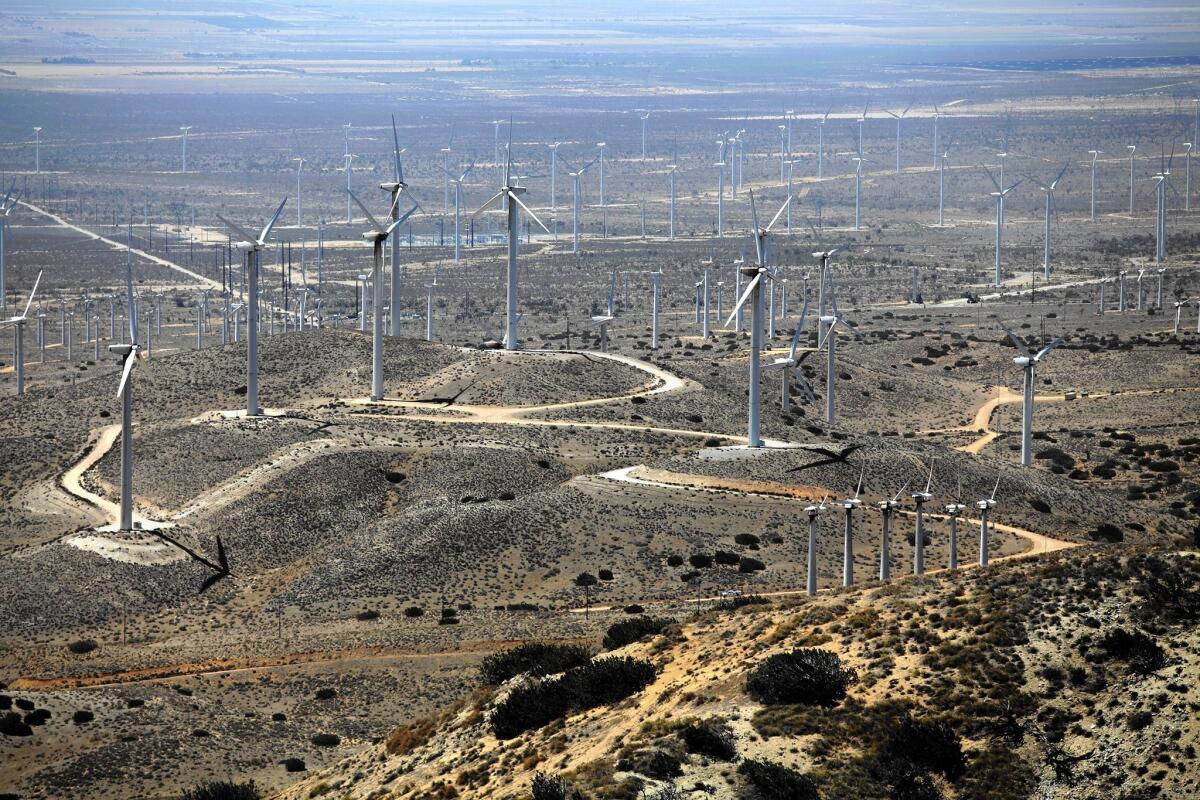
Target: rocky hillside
[[1070, 674]]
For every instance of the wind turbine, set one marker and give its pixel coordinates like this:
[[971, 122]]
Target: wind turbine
[[129, 355], [849, 505], [299, 198], [1028, 362], [603, 197], [999, 194], [1187, 176], [37, 149], [6, 207], [791, 365], [429, 287], [861, 121], [920, 499], [512, 194], [349, 169], [253, 246], [1179, 304], [898, 117], [952, 511], [821, 145], [395, 189], [18, 323], [753, 293], [1132, 148], [185, 129], [576, 176], [941, 168], [554, 185], [888, 510], [830, 323], [985, 506], [671, 170], [937, 113], [1048, 190], [1095, 155], [813, 512], [377, 236], [458, 197], [720, 165], [644, 115]]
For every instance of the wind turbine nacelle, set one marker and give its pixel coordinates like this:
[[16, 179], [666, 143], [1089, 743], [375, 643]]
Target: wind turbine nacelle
[[516, 190], [922, 497], [984, 505], [1022, 361], [828, 319], [374, 236], [120, 349], [390, 186], [749, 272], [850, 504]]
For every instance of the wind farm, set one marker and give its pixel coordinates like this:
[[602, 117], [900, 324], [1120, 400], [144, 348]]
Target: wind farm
[[563, 402]]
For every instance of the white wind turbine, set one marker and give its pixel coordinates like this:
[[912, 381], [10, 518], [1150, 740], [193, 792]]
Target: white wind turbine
[[999, 194], [985, 506], [377, 236], [458, 198], [920, 499], [253, 245], [576, 176], [813, 512], [644, 115], [830, 323], [862, 119], [1095, 155], [671, 170], [1179, 304], [952, 512], [395, 188], [899, 117], [888, 509], [849, 505], [512, 194], [1028, 362], [129, 355], [720, 165], [1048, 190], [349, 169], [18, 323], [941, 168], [429, 287], [185, 129], [554, 185], [1132, 148], [753, 293], [821, 145], [6, 207], [792, 366], [937, 113]]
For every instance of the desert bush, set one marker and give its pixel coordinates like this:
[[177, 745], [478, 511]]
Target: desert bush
[[928, 745], [700, 560], [81, 646], [222, 790], [553, 787], [1139, 651], [711, 737], [674, 561], [658, 762], [367, 616], [293, 764], [746, 539], [597, 683], [748, 564], [326, 740], [536, 658], [12, 725], [771, 781], [414, 611], [628, 631], [82, 717], [726, 558], [806, 676]]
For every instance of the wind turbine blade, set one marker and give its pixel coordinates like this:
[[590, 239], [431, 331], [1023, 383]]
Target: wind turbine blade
[[532, 215], [992, 177], [32, 292], [1017, 341], [491, 203], [805, 386], [861, 473], [754, 217], [370, 217], [796, 340], [745, 296], [1047, 349], [396, 152], [779, 213], [129, 359], [1061, 172], [842, 321], [929, 482], [996, 487], [408, 192], [267, 230], [240, 231], [467, 171], [902, 488], [404, 217]]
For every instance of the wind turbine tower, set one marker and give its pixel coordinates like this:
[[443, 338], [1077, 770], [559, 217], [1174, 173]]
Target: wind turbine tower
[[185, 129]]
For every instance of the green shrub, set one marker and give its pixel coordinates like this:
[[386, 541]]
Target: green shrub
[[771, 781], [553, 787], [711, 737], [536, 658], [597, 683], [928, 745], [222, 790], [806, 676], [631, 630], [1139, 651]]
